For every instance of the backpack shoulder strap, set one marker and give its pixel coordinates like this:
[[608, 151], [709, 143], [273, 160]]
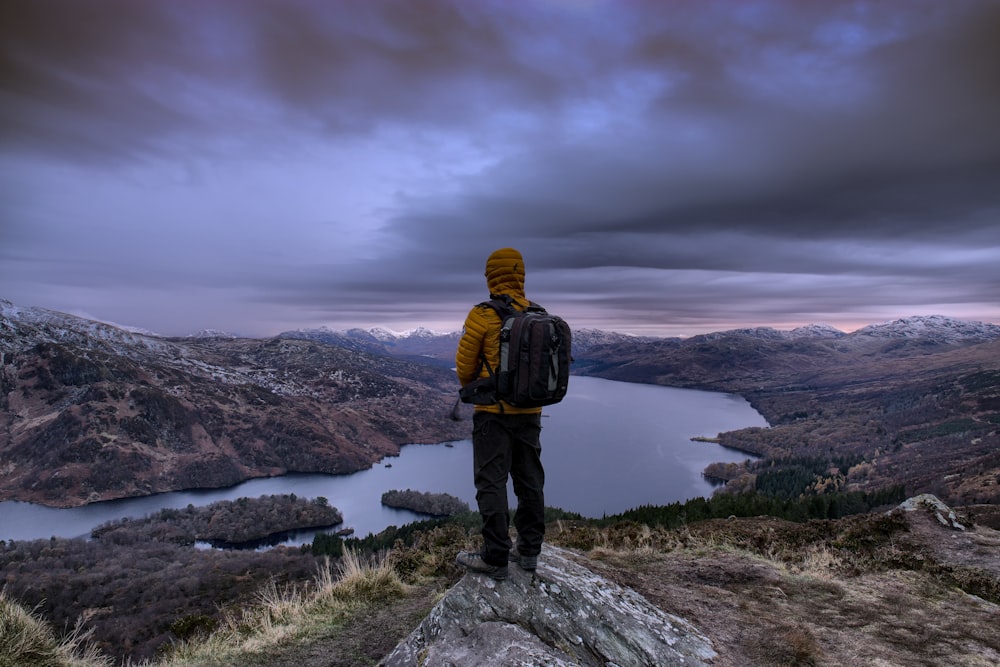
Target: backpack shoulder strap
[[503, 304]]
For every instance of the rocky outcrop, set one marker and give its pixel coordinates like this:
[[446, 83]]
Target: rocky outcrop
[[931, 503], [562, 614]]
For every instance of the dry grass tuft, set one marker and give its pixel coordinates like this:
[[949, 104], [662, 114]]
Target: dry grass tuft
[[822, 562], [432, 554], [361, 581], [789, 647], [286, 614], [28, 641]]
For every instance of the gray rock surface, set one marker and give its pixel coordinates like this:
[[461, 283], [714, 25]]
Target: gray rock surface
[[926, 501], [562, 614]]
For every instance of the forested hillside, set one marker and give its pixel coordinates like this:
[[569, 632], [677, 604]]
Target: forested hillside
[[92, 412], [860, 412]]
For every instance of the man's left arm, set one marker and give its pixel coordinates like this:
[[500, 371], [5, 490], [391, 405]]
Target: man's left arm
[[467, 358]]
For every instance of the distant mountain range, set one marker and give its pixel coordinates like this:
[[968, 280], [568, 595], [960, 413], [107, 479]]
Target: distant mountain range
[[423, 342], [419, 345], [935, 328], [92, 411], [741, 359], [425, 345]]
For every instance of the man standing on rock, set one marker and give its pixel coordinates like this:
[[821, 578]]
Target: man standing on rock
[[505, 439]]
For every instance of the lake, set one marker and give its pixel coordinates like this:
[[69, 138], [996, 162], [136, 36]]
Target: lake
[[608, 447]]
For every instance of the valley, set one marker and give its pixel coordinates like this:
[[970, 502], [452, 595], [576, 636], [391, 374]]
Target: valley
[[93, 412]]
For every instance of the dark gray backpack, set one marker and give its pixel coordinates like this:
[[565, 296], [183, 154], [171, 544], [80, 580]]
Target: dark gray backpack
[[534, 363]]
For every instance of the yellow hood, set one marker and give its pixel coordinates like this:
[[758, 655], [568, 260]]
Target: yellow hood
[[505, 273]]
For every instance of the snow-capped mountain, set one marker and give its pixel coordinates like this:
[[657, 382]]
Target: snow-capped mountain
[[937, 328], [22, 326], [419, 343], [212, 333], [585, 339], [931, 328], [816, 331], [55, 326], [759, 333]]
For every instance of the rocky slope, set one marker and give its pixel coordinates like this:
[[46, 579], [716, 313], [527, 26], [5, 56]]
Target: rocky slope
[[906, 588], [93, 412]]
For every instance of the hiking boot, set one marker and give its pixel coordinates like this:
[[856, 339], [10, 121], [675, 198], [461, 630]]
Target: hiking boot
[[528, 563], [473, 562]]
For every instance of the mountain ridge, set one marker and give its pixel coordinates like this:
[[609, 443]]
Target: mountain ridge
[[936, 327], [911, 326]]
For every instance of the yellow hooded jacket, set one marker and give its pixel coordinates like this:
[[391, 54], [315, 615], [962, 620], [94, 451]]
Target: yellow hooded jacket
[[481, 334]]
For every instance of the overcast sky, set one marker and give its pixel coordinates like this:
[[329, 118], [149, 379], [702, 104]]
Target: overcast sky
[[665, 167]]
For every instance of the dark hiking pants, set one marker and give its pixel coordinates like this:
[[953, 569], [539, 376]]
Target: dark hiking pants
[[505, 445]]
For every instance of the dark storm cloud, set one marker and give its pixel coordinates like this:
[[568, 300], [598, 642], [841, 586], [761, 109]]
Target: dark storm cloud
[[654, 161], [356, 64], [908, 151], [78, 78], [100, 75]]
